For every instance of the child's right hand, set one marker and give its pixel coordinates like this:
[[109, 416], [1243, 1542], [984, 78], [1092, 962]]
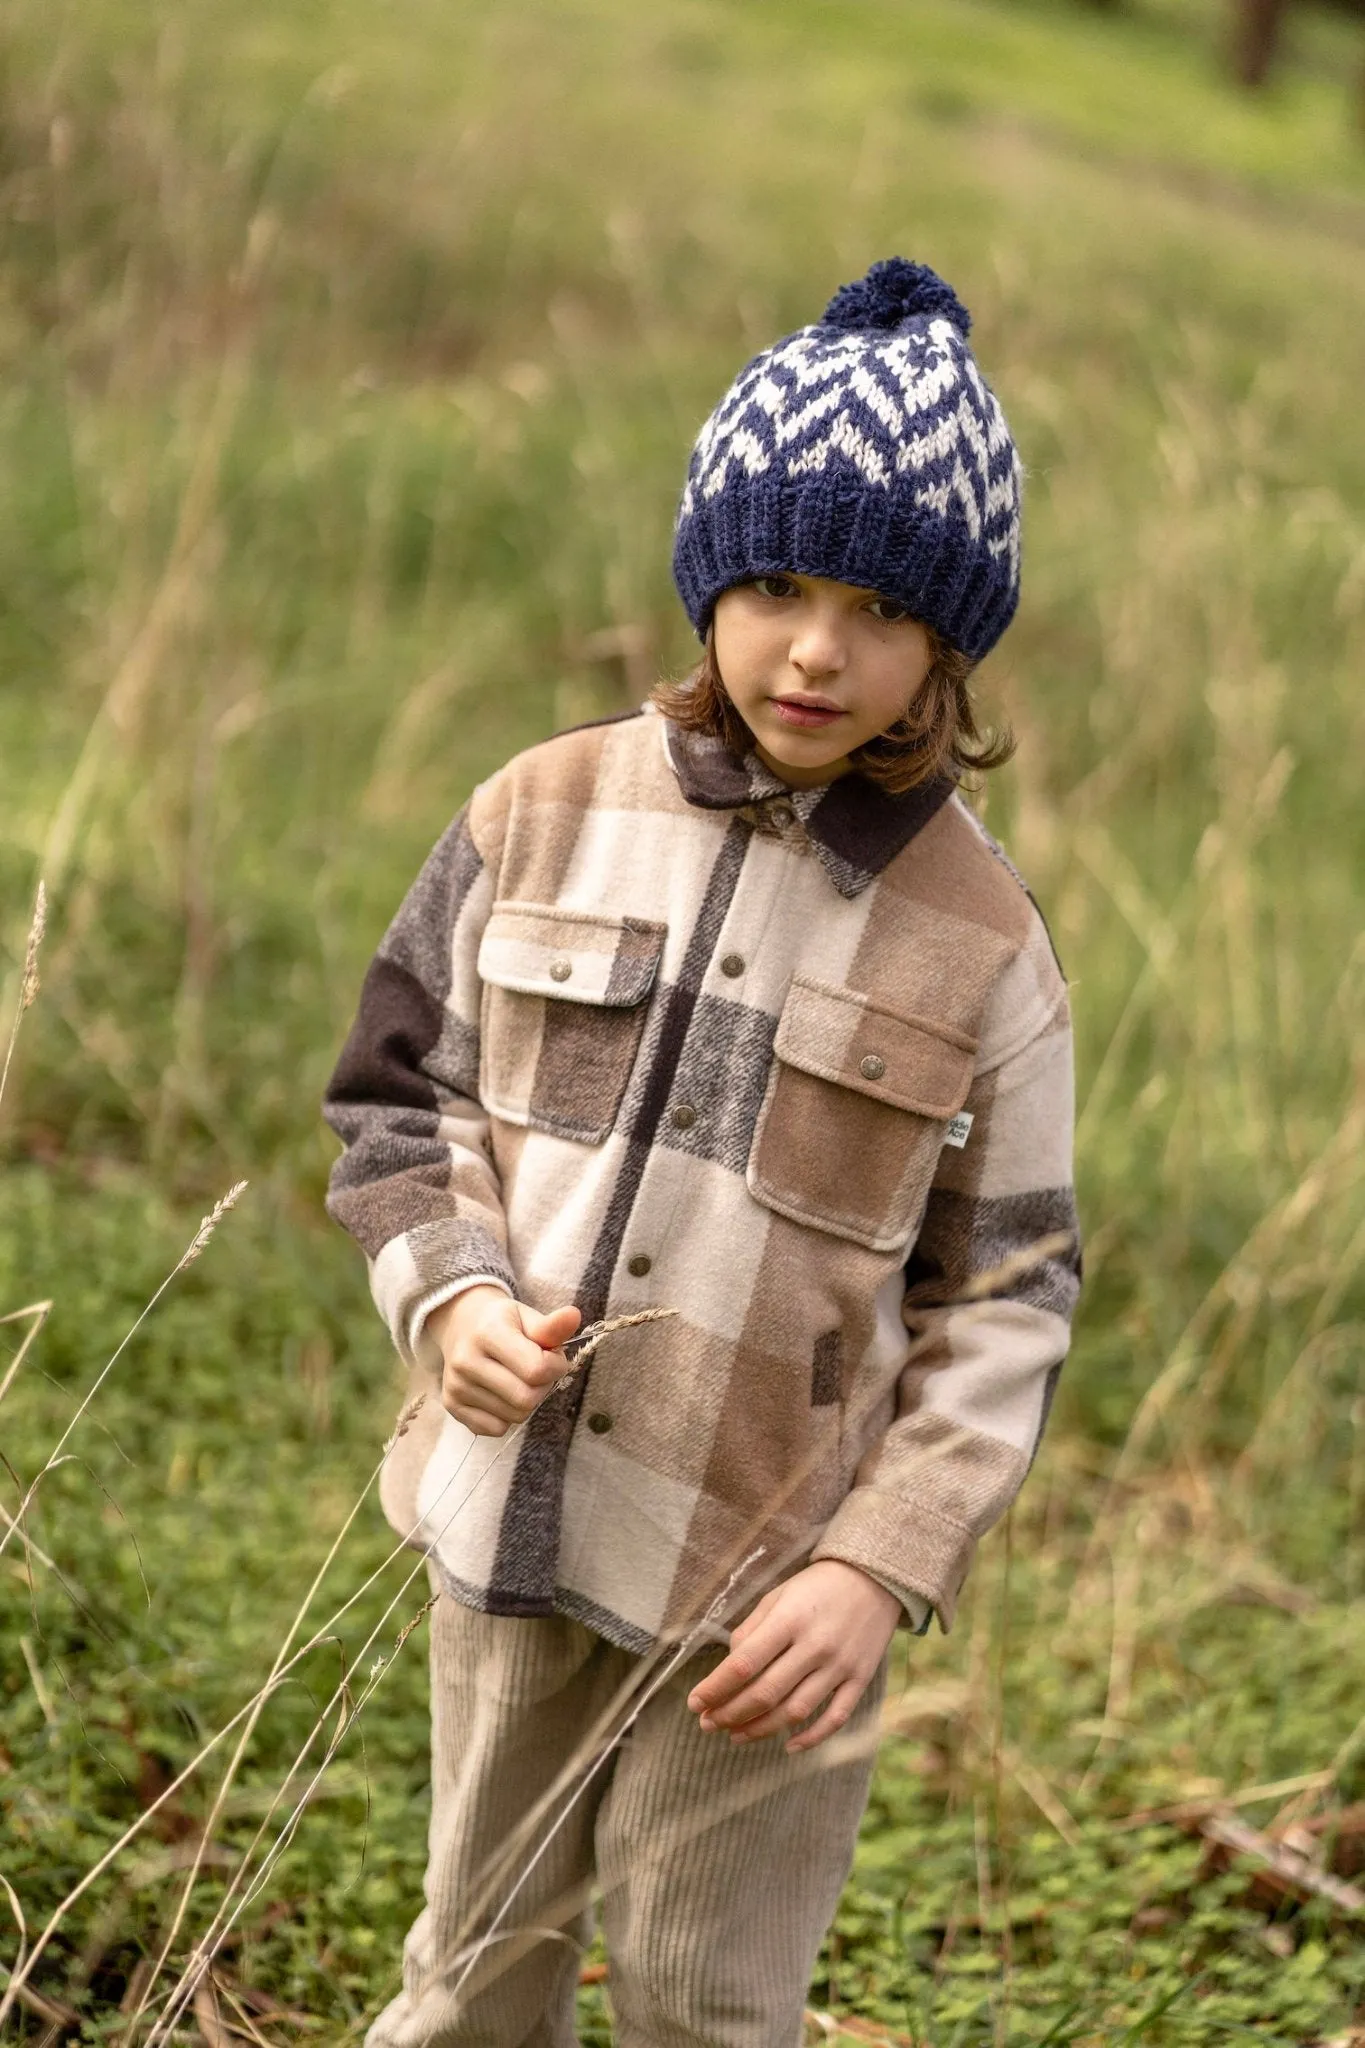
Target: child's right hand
[[499, 1358]]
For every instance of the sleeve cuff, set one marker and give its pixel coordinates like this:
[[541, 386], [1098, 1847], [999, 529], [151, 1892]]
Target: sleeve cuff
[[919, 1556], [422, 1349], [419, 1269]]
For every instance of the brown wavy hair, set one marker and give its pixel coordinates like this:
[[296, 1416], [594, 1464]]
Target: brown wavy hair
[[938, 735]]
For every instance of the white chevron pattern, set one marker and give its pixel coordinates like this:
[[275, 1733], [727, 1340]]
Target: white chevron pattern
[[913, 405]]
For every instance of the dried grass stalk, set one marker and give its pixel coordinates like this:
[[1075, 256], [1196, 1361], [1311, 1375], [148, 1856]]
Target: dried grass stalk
[[29, 983], [39, 1311], [191, 1252], [348, 1709], [679, 1656], [581, 1348]]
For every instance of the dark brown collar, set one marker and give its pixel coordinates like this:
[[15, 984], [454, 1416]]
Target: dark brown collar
[[855, 826]]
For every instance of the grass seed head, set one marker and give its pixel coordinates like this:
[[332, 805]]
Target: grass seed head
[[210, 1223], [29, 989]]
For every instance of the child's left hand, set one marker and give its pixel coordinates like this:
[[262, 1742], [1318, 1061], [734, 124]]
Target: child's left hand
[[818, 1637]]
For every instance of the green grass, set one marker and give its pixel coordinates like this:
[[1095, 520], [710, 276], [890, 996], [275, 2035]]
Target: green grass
[[351, 359]]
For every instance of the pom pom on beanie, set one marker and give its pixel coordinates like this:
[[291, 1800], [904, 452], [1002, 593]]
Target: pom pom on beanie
[[893, 292], [867, 448]]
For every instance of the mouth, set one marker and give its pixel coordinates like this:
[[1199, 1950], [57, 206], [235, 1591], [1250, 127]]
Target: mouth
[[807, 712]]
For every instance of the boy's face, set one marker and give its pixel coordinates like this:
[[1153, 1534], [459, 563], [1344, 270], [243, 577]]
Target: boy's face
[[816, 669]]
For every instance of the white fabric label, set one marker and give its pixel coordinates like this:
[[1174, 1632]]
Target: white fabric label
[[959, 1129]]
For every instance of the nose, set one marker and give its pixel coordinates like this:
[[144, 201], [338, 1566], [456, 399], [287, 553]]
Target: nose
[[817, 647]]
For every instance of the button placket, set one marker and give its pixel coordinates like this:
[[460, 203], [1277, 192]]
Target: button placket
[[752, 905]]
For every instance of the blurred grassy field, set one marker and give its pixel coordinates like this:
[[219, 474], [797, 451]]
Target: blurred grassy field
[[351, 360]]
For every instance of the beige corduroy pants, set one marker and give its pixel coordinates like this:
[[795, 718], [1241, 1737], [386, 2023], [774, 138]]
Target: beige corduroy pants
[[719, 1867]]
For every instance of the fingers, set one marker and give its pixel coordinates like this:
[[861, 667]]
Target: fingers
[[551, 1331], [752, 1650], [462, 1399], [787, 1693], [501, 1389], [841, 1705], [809, 1647], [765, 1705], [476, 1420], [798, 1704], [506, 1344], [490, 1389], [498, 1368]]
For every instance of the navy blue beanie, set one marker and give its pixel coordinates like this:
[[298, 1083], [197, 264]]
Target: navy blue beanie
[[866, 448]]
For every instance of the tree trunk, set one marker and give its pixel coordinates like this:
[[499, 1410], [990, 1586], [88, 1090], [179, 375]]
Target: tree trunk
[[1256, 36]]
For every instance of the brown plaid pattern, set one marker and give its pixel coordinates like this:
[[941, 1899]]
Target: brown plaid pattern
[[653, 1029]]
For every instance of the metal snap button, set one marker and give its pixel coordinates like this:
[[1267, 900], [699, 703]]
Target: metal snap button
[[684, 1116], [639, 1265], [871, 1067], [782, 814], [560, 970], [599, 1424], [732, 965]]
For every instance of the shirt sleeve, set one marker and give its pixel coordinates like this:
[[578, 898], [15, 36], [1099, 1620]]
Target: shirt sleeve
[[416, 1185], [991, 1283]]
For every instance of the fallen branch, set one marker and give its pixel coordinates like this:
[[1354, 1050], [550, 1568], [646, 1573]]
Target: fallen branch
[[1346, 1830], [1285, 1870], [1196, 1810]]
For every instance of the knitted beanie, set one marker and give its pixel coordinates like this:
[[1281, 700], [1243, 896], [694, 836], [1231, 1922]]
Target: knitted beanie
[[866, 448]]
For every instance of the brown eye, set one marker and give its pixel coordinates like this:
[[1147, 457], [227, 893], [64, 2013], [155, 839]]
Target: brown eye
[[889, 611], [774, 586]]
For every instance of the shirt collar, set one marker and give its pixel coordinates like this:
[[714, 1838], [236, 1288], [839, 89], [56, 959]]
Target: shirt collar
[[856, 827]]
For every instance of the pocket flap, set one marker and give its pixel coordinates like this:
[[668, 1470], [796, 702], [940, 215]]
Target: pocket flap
[[572, 955], [907, 1061]]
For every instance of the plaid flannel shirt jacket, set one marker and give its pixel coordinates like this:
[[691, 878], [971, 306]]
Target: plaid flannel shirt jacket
[[653, 1029]]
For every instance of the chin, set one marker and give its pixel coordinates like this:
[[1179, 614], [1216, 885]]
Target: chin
[[810, 754]]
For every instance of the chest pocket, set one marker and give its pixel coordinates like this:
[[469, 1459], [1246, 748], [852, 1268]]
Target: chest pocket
[[563, 1008], [855, 1114]]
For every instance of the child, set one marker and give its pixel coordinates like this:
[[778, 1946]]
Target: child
[[727, 1007]]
